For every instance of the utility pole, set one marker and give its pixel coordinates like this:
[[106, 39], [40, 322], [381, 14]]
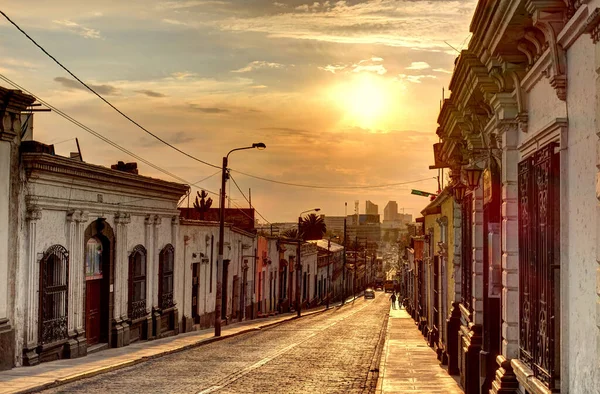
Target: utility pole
[[298, 270], [355, 267], [344, 261]]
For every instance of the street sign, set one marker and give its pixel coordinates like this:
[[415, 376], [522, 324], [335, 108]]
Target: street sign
[[421, 193]]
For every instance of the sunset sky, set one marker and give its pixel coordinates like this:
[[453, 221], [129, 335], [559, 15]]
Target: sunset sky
[[341, 92]]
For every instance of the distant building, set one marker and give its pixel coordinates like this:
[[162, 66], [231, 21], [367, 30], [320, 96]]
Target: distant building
[[390, 212], [371, 209]]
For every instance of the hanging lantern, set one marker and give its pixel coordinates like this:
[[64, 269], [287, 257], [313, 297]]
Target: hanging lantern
[[473, 176], [459, 190]]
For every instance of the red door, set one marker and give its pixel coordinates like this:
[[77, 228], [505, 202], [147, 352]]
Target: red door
[[93, 310]]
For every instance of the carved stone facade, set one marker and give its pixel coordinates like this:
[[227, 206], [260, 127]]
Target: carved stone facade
[[521, 94]]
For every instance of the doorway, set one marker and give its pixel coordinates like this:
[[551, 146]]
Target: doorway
[[195, 290], [99, 248]]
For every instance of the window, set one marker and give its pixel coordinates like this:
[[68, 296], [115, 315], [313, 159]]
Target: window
[[93, 259], [137, 283], [54, 279], [539, 264], [166, 265]]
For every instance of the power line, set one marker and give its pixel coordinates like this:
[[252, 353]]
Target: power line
[[255, 210], [114, 144], [334, 186], [105, 100], [173, 146]]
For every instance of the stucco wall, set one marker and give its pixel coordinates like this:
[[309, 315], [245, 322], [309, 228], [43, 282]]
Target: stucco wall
[[543, 106], [579, 277]]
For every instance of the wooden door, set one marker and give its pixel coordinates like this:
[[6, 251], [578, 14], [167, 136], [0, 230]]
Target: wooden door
[[195, 290], [93, 310]]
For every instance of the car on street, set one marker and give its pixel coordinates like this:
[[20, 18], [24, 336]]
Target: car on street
[[369, 293]]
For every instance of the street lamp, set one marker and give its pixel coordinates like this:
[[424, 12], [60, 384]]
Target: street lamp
[[459, 190], [298, 262], [220, 270], [328, 263], [473, 175]]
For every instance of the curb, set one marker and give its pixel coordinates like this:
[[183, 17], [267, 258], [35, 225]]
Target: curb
[[130, 363]]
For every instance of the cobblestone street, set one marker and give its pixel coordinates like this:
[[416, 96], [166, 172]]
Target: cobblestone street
[[330, 352]]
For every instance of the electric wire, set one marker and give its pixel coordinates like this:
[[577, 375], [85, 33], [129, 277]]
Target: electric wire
[[248, 200], [105, 100], [115, 145], [176, 148]]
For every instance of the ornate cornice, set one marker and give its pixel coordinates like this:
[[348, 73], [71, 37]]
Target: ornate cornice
[[37, 164], [592, 25]]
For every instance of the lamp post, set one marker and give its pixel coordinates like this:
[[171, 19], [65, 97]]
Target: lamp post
[[299, 263], [220, 270]]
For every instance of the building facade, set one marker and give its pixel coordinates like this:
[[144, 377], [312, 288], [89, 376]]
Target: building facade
[[518, 133]]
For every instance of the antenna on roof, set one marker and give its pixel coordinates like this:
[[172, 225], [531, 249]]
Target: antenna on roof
[[452, 47]]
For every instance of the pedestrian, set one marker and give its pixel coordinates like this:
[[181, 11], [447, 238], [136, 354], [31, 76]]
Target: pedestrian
[[393, 298]]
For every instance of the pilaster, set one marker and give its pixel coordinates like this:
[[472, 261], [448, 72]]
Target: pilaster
[[7, 136], [477, 235], [155, 259], [30, 356], [120, 279], [78, 261], [149, 261], [72, 218], [510, 240], [594, 29], [79, 272], [456, 262]]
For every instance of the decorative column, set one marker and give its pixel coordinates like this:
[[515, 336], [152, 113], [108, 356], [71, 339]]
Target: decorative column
[[148, 242], [8, 124], [593, 27], [72, 219], [30, 356], [79, 262], [477, 256], [120, 326], [176, 275], [155, 251], [125, 219]]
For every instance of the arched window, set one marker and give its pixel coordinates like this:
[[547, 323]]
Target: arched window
[[165, 276], [137, 283], [54, 284], [93, 259]]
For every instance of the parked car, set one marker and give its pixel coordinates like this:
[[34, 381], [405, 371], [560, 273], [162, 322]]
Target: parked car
[[369, 293]]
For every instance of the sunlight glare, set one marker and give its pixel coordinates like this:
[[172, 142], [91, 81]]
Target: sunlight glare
[[365, 100]]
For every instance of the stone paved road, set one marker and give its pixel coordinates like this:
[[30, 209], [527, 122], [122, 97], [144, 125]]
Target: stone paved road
[[330, 352]]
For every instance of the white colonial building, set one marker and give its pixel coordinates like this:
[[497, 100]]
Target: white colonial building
[[524, 108]]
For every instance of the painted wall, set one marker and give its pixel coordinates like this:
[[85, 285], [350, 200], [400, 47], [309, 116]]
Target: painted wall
[[578, 275]]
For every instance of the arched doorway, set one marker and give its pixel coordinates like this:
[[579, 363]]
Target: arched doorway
[[98, 266]]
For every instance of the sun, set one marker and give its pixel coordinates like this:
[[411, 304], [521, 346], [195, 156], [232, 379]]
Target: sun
[[365, 100]]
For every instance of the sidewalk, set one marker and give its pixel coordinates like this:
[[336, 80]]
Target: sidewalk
[[44, 375], [408, 365]]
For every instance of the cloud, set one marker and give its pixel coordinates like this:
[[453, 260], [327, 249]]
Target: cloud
[[442, 70], [209, 110], [257, 64], [376, 68], [76, 28], [415, 24], [101, 89], [150, 93], [414, 78], [174, 22], [332, 68], [418, 66], [183, 74]]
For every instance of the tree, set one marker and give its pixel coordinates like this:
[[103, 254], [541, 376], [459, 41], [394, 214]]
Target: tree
[[202, 205], [290, 233], [312, 227]]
